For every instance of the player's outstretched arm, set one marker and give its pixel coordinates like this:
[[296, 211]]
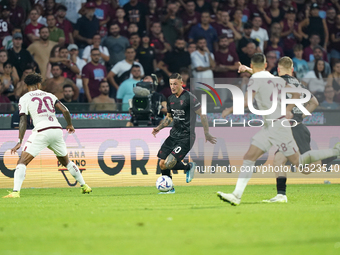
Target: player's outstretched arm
[[22, 131], [67, 116], [229, 110], [243, 68], [166, 122], [205, 124]]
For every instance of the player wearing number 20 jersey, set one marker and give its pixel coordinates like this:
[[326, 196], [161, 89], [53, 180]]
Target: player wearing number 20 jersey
[[47, 132], [40, 105]]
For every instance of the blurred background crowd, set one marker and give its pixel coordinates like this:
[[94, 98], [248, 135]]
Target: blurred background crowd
[[96, 51]]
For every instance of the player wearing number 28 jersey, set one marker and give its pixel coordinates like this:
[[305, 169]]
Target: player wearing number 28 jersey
[[262, 85], [47, 132]]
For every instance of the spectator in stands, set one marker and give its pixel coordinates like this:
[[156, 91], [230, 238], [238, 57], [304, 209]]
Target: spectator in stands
[[185, 73], [315, 23], [54, 54], [226, 27], [132, 29], [189, 17], [250, 51], [105, 56], [68, 93], [103, 102], [330, 19], [136, 13], [145, 55], [336, 4], [258, 10], [290, 32], [18, 56], [7, 80], [237, 21], [116, 44], [56, 34], [241, 4], [87, 26], [21, 87], [3, 60], [74, 8], [191, 47], [300, 65], [274, 46], [17, 14], [242, 44], [202, 60], [5, 24], [41, 19], [318, 54], [50, 7], [334, 80], [154, 14], [40, 50], [55, 84], [275, 13], [121, 22], [93, 73], [103, 12], [335, 39], [203, 6], [226, 60], [64, 24], [328, 103], [258, 33], [32, 29], [157, 39], [272, 62], [175, 59], [172, 25], [308, 52], [205, 30], [314, 80], [134, 40], [80, 63], [68, 66], [125, 90], [122, 69]]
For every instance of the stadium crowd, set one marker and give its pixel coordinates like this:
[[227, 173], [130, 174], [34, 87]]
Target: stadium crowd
[[85, 50]]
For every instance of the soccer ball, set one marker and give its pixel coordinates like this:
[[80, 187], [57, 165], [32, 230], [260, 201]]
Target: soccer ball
[[164, 183]]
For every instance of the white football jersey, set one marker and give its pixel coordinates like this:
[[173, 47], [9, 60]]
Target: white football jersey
[[40, 105], [263, 83]]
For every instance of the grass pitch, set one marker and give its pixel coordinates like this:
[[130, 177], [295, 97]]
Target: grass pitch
[[135, 220]]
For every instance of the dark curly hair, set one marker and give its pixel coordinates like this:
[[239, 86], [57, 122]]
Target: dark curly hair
[[33, 79]]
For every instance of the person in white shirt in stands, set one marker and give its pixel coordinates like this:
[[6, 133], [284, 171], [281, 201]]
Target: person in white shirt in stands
[[80, 63], [258, 33], [202, 60], [47, 132], [315, 80], [105, 55], [122, 68]]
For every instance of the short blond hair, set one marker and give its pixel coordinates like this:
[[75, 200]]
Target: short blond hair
[[286, 62]]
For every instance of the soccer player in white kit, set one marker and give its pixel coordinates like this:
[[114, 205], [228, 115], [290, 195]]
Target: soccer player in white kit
[[262, 84], [47, 132]]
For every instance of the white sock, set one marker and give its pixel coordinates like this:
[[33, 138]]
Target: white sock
[[313, 156], [244, 177], [19, 176], [75, 172]]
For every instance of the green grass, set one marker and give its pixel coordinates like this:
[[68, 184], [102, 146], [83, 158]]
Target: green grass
[[135, 220]]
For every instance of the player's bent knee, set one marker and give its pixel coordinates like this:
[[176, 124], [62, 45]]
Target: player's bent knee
[[162, 164], [170, 161]]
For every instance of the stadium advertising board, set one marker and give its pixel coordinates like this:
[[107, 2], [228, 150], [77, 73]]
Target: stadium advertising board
[[128, 157]]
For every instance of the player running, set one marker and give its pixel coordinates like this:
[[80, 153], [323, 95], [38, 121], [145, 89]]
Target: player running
[[300, 132], [262, 84], [182, 109], [47, 132]]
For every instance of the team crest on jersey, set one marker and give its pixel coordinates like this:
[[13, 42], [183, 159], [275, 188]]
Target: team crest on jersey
[[181, 102]]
